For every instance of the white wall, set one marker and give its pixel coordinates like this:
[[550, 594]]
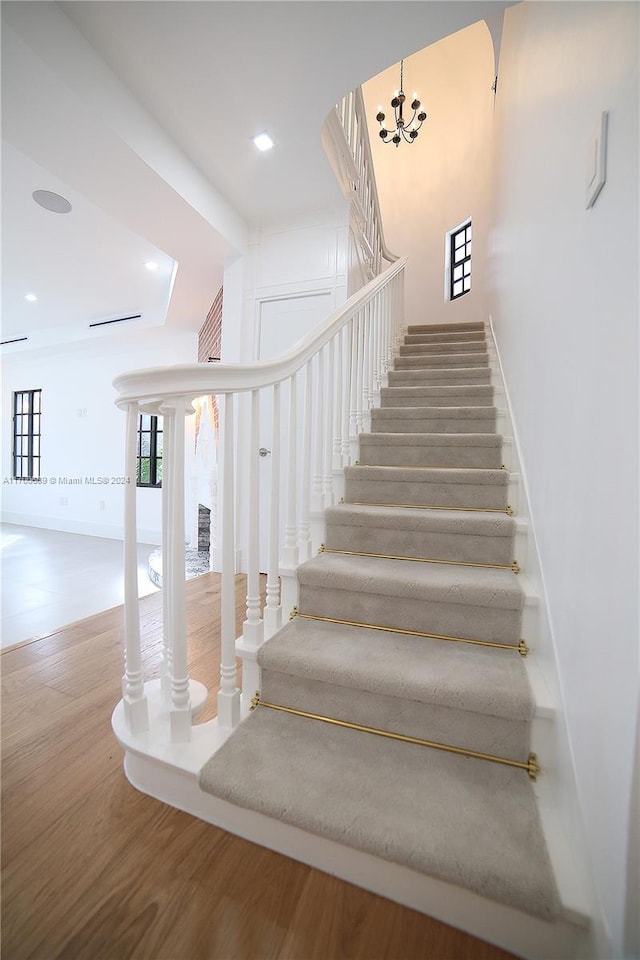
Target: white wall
[[428, 187], [564, 302], [290, 259], [83, 433]]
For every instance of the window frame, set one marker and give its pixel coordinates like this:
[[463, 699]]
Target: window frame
[[33, 432], [464, 227], [153, 431]]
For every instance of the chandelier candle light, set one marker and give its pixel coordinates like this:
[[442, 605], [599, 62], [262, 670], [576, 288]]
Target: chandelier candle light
[[404, 130]]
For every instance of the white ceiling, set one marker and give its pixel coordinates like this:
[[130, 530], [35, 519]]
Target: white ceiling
[[143, 112], [69, 261]]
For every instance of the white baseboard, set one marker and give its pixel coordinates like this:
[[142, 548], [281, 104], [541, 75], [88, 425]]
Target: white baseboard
[[88, 528]]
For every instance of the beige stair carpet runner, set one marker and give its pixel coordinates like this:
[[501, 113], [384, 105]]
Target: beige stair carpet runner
[[392, 620]]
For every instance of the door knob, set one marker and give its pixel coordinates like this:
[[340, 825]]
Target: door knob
[[263, 451]]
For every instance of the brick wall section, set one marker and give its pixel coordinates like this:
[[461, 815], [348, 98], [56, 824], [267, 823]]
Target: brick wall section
[[210, 335]]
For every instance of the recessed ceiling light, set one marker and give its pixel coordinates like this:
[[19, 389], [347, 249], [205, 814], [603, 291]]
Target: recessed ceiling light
[[51, 201], [263, 141], [151, 265], [31, 297]]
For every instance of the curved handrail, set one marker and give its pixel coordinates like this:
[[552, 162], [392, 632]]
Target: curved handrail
[[196, 379], [362, 117]]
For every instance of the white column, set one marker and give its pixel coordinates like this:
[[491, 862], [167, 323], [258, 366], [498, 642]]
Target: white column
[[229, 695], [133, 695], [273, 609]]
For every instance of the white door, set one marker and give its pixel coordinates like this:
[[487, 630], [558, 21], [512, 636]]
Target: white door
[[283, 322]]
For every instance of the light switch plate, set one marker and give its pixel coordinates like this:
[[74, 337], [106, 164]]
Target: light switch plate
[[597, 161]]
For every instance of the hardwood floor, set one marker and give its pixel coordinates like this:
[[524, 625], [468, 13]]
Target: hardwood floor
[[94, 870]]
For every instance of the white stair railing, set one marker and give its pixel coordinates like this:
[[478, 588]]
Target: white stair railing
[[328, 381], [347, 143]]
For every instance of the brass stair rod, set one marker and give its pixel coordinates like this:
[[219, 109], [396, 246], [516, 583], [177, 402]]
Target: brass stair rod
[[531, 766], [521, 647]]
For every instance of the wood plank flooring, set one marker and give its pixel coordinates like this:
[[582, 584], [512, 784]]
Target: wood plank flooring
[[94, 870]]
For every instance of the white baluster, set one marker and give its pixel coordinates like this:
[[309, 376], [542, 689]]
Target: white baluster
[[317, 494], [290, 551], [304, 535], [133, 695], [336, 390], [180, 712], [360, 372], [353, 392], [253, 626], [166, 669], [388, 345], [367, 366], [347, 337], [273, 609], [228, 695], [377, 349], [327, 443]]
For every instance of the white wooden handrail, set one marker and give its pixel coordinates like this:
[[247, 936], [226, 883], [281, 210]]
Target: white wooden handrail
[[153, 384]]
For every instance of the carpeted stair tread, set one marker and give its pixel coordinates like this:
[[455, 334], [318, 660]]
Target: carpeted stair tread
[[433, 413], [431, 449], [473, 391], [445, 535], [424, 521], [459, 346], [436, 419], [444, 327], [497, 589], [438, 377], [441, 360], [427, 475], [434, 439], [415, 668], [455, 818], [464, 336], [428, 487]]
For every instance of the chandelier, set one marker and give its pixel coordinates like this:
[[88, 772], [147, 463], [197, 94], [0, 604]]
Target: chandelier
[[404, 130]]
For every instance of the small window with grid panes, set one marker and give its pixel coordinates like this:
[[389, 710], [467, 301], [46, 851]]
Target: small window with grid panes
[[149, 473], [27, 414], [460, 262]]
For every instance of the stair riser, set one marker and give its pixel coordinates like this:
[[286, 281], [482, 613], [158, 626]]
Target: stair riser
[[477, 496], [389, 398], [426, 349], [419, 543], [415, 455], [474, 731], [445, 361], [460, 337], [428, 425], [438, 378], [405, 613]]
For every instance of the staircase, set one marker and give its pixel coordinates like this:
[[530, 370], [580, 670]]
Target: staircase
[[394, 711]]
